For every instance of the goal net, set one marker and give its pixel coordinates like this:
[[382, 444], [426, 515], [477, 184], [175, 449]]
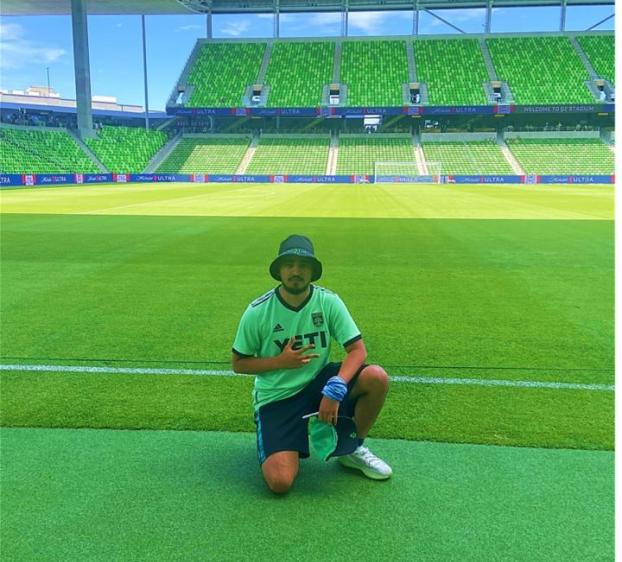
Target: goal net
[[406, 172]]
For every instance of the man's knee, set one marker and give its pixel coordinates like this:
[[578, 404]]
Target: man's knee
[[280, 470], [374, 376], [280, 483]]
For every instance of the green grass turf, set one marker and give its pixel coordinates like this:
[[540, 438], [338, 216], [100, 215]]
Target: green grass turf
[[511, 299], [124, 495], [489, 295], [450, 413], [102, 495], [308, 200]]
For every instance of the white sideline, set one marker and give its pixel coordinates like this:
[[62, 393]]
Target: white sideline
[[213, 372]]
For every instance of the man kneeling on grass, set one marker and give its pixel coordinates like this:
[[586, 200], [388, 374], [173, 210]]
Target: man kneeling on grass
[[274, 341]]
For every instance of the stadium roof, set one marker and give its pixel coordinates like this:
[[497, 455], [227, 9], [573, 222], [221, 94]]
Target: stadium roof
[[180, 7]]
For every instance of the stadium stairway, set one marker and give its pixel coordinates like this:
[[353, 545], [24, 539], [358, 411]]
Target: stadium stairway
[[248, 156], [591, 70], [511, 159], [333, 154], [182, 82], [419, 155], [586, 62], [162, 154], [490, 67], [337, 62], [90, 154], [261, 76], [412, 65]]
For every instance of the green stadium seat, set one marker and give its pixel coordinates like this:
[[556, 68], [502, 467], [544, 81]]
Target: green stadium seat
[[298, 72], [600, 50], [358, 154], [222, 72], [126, 149], [473, 157], [453, 70], [374, 72], [40, 151], [540, 69], [291, 155], [562, 156], [217, 154]]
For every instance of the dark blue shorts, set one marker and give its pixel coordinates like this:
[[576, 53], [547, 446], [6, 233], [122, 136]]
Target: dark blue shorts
[[280, 426]]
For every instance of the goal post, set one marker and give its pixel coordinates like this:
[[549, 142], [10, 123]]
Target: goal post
[[406, 172]]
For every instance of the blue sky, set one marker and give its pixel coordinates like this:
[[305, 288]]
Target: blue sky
[[29, 45]]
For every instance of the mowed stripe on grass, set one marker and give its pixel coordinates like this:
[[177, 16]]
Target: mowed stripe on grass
[[316, 200], [530, 299], [529, 417], [525, 300]]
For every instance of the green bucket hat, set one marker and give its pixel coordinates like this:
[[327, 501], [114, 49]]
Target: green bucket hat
[[296, 245], [323, 438], [329, 441]]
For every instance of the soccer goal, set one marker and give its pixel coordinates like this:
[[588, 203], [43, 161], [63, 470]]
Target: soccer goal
[[406, 172]]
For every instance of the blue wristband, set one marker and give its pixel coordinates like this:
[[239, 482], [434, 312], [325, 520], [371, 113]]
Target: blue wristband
[[336, 388]]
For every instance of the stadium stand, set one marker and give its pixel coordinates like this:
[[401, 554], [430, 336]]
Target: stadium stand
[[374, 72], [126, 149], [453, 70], [293, 155], [222, 72], [297, 73], [540, 69], [359, 153], [202, 155], [562, 156], [467, 157], [40, 152], [600, 49]]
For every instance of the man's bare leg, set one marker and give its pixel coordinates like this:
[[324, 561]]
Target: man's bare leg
[[370, 391], [280, 470]]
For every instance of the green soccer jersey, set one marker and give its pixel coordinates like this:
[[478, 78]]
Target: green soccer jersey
[[269, 322]]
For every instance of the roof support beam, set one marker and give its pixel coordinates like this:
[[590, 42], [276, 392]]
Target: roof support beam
[[81, 68], [601, 21], [416, 17], [488, 25], [142, 23], [444, 20], [562, 23]]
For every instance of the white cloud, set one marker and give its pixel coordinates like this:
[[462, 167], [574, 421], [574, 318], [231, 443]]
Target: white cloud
[[325, 19], [309, 24], [16, 51], [368, 22], [10, 31], [188, 27], [235, 29]]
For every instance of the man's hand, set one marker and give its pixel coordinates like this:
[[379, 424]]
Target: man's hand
[[328, 410], [294, 359]]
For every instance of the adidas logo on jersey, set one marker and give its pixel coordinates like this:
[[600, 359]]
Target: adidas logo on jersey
[[278, 328]]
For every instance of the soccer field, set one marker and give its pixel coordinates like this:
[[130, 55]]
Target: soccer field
[[490, 306]]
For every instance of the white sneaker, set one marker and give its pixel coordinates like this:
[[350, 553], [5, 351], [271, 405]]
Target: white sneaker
[[368, 463]]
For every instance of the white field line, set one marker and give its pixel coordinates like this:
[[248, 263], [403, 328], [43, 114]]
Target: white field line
[[219, 373]]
